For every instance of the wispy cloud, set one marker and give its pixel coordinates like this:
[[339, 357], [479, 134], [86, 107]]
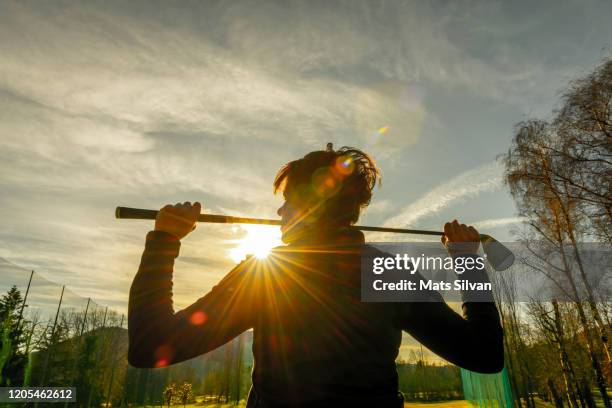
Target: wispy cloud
[[141, 104], [378, 206], [466, 185], [499, 222]]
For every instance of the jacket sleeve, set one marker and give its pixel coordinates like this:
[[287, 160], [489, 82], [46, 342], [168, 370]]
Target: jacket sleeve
[[473, 341], [157, 335]]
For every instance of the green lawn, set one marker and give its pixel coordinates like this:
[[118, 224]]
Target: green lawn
[[447, 404]]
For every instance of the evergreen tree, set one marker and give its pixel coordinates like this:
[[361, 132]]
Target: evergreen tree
[[12, 355]]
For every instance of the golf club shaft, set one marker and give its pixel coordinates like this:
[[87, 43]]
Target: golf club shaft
[[498, 255], [141, 214]]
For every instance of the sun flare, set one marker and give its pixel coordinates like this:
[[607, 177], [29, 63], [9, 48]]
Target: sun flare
[[258, 241]]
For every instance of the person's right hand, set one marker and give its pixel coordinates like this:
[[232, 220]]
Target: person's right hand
[[460, 239], [179, 219]]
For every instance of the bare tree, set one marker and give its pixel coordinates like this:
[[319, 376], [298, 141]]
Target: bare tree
[[584, 126], [559, 174]]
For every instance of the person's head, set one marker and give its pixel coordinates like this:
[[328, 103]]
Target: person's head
[[325, 190]]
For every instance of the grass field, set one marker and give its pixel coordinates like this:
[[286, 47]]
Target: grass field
[[446, 404]]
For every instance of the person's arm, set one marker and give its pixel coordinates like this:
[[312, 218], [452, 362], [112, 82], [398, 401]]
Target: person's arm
[[157, 335], [473, 341]]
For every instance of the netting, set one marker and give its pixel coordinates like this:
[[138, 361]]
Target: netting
[[60, 338], [487, 390]]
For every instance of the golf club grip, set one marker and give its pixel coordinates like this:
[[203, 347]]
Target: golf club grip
[[142, 214]]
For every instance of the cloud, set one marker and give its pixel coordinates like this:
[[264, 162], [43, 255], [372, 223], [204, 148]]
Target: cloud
[[498, 222], [484, 178], [175, 79], [145, 103], [378, 206], [101, 107]]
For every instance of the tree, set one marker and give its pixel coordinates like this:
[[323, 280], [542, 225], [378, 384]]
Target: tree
[[549, 323], [584, 125], [559, 174], [12, 356], [185, 393], [169, 394]]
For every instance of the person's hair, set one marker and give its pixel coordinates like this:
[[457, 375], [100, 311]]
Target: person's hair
[[338, 184]]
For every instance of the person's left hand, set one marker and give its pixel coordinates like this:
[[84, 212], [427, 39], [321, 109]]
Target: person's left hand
[[460, 239], [179, 219]]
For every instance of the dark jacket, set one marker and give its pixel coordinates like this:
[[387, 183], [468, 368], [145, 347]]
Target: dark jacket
[[314, 342]]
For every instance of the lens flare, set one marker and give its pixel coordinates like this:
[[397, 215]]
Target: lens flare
[[383, 130], [325, 183], [162, 363], [163, 355], [389, 115], [198, 318], [344, 166]]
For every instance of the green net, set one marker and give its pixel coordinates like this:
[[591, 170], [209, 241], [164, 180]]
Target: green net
[[487, 390]]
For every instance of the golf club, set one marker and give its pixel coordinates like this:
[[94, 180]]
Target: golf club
[[498, 255]]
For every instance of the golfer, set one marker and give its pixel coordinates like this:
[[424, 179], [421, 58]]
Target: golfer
[[315, 344]]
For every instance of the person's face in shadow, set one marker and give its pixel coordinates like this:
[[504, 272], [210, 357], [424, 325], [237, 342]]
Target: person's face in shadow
[[292, 218], [298, 218]]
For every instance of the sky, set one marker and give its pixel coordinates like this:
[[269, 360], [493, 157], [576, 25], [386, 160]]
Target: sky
[[142, 104]]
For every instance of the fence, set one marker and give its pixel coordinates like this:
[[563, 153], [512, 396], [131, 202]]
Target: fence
[[54, 337], [58, 338]]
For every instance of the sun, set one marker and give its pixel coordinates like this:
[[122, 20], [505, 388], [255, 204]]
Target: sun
[[258, 241]]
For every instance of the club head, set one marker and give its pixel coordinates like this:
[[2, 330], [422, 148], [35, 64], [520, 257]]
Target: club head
[[500, 257]]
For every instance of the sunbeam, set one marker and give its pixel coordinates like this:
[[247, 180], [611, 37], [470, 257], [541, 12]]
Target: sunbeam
[[258, 241]]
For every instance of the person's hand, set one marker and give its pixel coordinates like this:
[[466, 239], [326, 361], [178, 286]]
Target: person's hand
[[460, 239], [179, 219]]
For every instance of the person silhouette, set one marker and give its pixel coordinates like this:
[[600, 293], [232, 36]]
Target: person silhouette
[[315, 343]]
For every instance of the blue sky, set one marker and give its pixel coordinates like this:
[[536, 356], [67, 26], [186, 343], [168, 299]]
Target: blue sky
[[144, 103]]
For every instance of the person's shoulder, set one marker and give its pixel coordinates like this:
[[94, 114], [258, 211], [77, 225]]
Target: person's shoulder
[[371, 251]]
